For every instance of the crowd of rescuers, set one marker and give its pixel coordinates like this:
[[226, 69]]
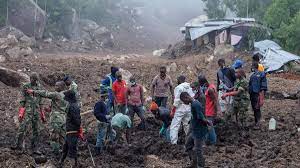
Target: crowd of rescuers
[[197, 106]]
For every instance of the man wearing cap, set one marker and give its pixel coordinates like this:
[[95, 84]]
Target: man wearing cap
[[238, 64], [73, 87], [106, 87]]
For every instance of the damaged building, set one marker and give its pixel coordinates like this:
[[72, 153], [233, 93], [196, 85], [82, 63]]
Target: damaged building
[[200, 32]]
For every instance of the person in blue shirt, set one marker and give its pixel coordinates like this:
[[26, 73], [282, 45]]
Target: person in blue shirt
[[257, 87], [105, 131], [199, 129], [237, 64], [106, 86]]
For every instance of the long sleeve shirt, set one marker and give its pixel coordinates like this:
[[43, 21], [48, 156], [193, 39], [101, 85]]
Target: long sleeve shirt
[[225, 78], [199, 127], [184, 87], [258, 82], [100, 111], [73, 119]]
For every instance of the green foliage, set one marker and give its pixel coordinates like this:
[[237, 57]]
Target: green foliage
[[3, 4], [284, 18], [257, 34], [215, 9], [256, 8]]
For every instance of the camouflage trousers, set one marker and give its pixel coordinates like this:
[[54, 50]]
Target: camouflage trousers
[[30, 120], [57, 134], [240, 110]]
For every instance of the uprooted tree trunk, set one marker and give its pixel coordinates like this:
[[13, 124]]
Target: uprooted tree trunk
[[12, 78]]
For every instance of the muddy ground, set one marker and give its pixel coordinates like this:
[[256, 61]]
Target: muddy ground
[[263, 148]]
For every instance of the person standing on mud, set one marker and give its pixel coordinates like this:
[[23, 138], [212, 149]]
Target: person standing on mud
[[104, 127], [135, 99], [73, 122], [257, 87], [106, 87], [57, 116], [73, 87], [199, 130], [241, 99], [211, 105], [119, 91], [226, 79], [160, 86], [182, 111], [29, 113]]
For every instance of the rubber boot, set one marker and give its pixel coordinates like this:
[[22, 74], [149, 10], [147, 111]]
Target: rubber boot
[[193, 159]]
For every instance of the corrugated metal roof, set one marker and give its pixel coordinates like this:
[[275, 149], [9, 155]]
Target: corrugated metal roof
[[200, 31], [273, 56]]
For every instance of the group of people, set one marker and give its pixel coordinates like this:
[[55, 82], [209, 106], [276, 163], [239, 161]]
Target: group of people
[[195, 106]]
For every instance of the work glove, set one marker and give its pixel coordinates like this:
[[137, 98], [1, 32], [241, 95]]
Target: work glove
[[21, 113], [172, 113], [29, 91], [80, 134], [42, 115]]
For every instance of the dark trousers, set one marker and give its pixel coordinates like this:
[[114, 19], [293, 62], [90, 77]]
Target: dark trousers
[[254, 98], [70, 146], [195, 155], [139, 111], [161, 101]]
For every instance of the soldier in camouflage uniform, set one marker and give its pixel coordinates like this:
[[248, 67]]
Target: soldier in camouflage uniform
[[57, 116], [32, 104], [73, 87], [241, 98]]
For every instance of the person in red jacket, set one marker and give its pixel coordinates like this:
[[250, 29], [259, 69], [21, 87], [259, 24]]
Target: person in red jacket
[[119, 91]]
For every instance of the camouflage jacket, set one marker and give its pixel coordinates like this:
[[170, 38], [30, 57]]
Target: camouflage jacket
[[242, 86], [58, 105], [31, 102]]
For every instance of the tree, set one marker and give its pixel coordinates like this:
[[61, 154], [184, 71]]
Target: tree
[[3, 10], [250, 8], [215, 9], [283, 17]]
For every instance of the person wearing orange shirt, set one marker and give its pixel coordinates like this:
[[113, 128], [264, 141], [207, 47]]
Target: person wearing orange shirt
[[119, 92]]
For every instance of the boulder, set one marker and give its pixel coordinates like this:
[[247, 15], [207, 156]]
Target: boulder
[[8, 42], [14, 36], [70, 24], [13, 78], [4, 32], [18, 52], [27, 41], [159, 53], [27, 16], [172, 67], [88, 25], [125, 74], [2, 58], [223, 50]]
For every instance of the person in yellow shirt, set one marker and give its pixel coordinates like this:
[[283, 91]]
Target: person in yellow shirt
[[256, 59]]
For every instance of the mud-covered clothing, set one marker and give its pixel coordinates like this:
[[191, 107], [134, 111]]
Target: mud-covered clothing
[[73, 118], [57, 117], [119, 88], [195, 155], [198, 127], [74, 88], [241, 101], [135, 94], [161, 86], [139, 110], [32, 103], [104, 131]]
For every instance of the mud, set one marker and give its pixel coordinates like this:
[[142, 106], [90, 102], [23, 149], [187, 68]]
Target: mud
[[252, 148]]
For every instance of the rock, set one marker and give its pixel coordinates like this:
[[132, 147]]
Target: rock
[[13, 78], [172, 67], [223, 50], [48, 40], [125, 74], [8, 42], [2, 58], [230, 149], [88, 25], [27, 41], [159, 53], [27, 16], [70, 24], [11, 31], [155, 161], [17, 52]]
